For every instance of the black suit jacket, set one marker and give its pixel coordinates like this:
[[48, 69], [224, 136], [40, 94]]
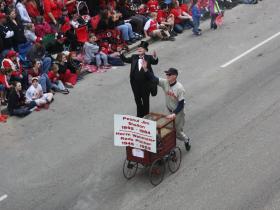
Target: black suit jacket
[[134, 64], [138, 78]]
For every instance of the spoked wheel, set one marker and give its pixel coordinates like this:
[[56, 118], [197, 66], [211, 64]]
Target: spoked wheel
[[157, 171], [129, 169], [174, 159]]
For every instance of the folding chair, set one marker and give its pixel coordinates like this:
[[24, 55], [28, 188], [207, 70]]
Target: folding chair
[[82, 34]]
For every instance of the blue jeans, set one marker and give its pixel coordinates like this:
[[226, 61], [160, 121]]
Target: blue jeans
[[196, 23], [45, 82], [46, 65], [126, 31], [101, 57], [58, 85]]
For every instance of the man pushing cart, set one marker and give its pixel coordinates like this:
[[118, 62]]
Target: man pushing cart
[[175, 100]]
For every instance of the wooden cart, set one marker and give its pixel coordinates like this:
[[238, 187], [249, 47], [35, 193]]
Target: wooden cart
[[167, 151]]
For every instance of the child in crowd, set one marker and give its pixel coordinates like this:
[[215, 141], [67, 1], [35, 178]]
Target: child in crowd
[[92, 53], [35, 94], [29, 33], [196, 15], [154, 30], [57, 84], [11, 62]]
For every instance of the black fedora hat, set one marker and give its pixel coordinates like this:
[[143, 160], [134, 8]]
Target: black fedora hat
[[144, 45]]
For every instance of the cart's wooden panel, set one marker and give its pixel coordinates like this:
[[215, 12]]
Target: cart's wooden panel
[[165, 145]]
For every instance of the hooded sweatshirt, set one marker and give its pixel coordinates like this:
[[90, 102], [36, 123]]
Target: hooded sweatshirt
[[90, 50]]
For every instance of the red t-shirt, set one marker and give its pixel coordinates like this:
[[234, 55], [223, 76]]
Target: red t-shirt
[[70, 7], [152, 5], [54, 7], [162, 16], [176, 12], [53, 76], [32, 10]]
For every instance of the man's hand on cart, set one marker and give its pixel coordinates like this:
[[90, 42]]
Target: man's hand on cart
[[171, 116]]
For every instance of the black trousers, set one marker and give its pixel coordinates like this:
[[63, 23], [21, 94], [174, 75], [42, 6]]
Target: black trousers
[[142, 97]]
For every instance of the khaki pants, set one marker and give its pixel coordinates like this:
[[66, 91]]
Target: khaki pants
[[179, 125]]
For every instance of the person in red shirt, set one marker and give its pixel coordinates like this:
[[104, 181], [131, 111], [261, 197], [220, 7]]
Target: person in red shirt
[[182, 19], [70, 5], [152, 5], [154, 30], [57, 84], [32, 9], [166, 19], [52, 11], [11, 62]]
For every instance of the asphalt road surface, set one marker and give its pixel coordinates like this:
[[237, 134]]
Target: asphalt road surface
[[64, 158]]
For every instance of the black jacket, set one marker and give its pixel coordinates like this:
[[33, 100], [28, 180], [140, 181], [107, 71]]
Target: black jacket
[[135, 74], [18, 29], [15, 101], [7, 42]]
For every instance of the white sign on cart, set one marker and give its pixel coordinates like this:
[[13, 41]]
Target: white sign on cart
[[135, 132]]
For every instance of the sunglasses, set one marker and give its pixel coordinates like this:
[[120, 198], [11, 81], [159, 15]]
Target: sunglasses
[[168, 75]]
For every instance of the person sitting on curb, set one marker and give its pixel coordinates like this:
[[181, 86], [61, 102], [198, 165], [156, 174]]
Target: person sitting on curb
[[16, 102], [175, 100], [93, 55], [57, 84], [154, 30], [35, 94]]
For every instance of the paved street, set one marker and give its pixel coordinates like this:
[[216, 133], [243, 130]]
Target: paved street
[[64, 158]]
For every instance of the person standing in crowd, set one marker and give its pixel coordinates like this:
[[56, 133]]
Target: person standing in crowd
[[6, 34], [140, 84], [214, 12], [196, 18], [16, 25], [24, 16], [175, 100]]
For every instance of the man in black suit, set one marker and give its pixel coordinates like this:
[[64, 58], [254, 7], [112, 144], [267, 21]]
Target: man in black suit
[[141, 85]]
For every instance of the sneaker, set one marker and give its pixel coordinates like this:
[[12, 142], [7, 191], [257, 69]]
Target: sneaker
[[171, 38], [188, 145], [65, 91], [173, 33], [197, 33]]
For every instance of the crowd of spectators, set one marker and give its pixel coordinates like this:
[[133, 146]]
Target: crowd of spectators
[[48, 45]]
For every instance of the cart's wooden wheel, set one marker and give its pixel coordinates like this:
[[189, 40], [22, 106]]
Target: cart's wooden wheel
[[157, 171], [174, 159], [129, 169]]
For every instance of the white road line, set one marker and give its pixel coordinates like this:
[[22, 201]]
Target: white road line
[[3, 197], [250, 50]]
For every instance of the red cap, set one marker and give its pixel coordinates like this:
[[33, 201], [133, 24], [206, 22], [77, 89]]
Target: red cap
[[11, 53], [2, 15]]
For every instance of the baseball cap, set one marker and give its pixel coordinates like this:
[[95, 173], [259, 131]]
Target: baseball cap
[[172, 71], [11, 53], [2, 15], [34, 78]]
